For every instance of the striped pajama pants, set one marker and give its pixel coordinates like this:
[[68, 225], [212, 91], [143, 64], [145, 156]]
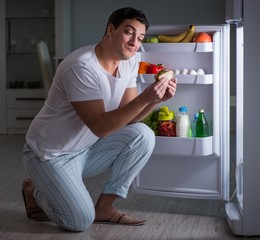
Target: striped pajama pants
[[60, 190]]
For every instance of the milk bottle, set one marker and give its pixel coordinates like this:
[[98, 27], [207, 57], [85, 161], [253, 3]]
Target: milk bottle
[[183, 123]]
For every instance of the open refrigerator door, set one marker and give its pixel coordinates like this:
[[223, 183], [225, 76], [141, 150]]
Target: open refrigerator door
[[243, 211], [234, 208], [191, 167]]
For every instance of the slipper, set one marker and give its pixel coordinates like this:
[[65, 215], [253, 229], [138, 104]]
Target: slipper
[[119, 218], [34, 213]]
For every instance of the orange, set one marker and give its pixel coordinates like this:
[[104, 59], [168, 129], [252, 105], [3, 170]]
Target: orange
[[202, 37], [143, 66]]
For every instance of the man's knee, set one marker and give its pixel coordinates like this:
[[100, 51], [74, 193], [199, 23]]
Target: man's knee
[[147, 136], [80, 221]]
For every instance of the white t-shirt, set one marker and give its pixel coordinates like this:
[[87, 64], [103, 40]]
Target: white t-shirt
[[57, 129]]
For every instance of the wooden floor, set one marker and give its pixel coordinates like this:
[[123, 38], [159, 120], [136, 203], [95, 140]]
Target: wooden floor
[[167, 218]]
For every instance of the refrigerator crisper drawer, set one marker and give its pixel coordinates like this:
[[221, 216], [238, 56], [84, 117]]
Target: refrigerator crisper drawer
[[180, 176], [183, 146]]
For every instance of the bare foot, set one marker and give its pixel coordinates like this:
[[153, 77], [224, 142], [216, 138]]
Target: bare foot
[[104, 206], [33, 211], [105, 213]]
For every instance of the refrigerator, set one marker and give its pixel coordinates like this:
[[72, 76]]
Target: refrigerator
[[243, 212], [200, 167]]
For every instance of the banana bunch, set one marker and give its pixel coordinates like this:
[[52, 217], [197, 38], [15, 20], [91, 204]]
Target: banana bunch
[[184, 37]]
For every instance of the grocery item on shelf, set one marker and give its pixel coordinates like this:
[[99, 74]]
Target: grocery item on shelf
[[186, 71], [183, 123], [150, 39], [202, 37], [177, 72], [143, 67], [192, 72], [200, 71], [154, 68], [184, 37], [166, 123], [149, 68], [194, 124], [202, 126], [151, 120]]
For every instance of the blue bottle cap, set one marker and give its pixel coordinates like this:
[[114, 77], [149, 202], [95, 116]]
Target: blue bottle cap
[[183, 109]]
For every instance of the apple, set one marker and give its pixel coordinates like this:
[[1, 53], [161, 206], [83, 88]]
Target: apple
[[152, 40]]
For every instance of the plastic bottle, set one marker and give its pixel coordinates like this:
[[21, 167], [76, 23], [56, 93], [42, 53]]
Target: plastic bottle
[[166, 126], [183, 123], [193, 125], [202, 126]]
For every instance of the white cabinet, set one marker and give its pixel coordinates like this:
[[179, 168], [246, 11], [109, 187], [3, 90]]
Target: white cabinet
[[22, 105], [191, 167], [23, 23]]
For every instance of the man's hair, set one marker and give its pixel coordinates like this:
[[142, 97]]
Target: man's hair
[[119, 16]]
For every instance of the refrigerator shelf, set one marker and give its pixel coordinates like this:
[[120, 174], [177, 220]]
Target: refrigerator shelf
[[182, 79], [183, 146], [177, 47]]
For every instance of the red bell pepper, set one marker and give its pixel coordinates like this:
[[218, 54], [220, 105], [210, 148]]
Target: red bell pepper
[[154, 68]]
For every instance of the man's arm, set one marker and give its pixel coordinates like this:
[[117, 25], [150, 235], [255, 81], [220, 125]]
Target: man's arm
[[102, 123], [129, 95], [132, 108]]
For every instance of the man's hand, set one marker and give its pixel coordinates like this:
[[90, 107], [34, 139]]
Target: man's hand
[[170, 91], [160, 91], [156, 91]]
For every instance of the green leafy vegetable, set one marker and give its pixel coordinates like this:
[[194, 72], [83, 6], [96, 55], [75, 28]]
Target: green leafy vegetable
[[151, 120]]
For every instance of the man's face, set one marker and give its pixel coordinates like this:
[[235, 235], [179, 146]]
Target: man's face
[[127, 38]]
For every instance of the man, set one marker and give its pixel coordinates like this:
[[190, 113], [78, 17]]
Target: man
[[90, 122]]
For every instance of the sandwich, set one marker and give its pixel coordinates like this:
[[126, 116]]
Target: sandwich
[[164, 73]]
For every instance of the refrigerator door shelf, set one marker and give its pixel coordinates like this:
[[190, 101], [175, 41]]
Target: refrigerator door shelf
[[177, 47], [182, 79], [183, 146], [180, 176]]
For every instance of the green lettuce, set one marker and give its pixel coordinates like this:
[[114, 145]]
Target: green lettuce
[[151, 120]]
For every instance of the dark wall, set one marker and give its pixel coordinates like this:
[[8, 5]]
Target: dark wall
[[89, 17]]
